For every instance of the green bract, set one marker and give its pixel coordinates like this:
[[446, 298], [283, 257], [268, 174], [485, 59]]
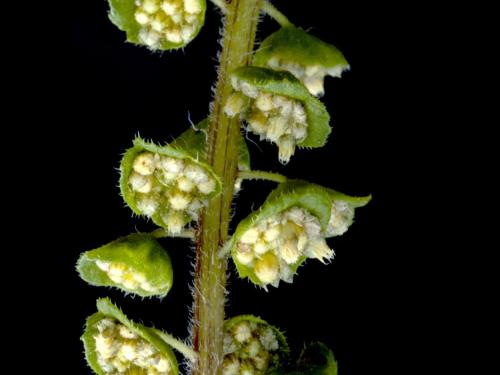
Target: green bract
[[135, 264], [315, 359], [252, 346], [169, 184], [305, 56], [291, 226], [196, 138], [159, 24], [115, 345], [278, 107]]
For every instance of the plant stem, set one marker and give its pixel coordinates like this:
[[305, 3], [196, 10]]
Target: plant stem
[[179, 346], [262, 175], [223, 132], [275, 14], [162, 233]]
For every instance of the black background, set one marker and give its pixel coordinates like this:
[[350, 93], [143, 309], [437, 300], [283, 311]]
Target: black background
[[109, 91]]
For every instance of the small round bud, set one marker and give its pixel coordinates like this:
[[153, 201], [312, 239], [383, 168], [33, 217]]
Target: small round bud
[[196, 174], [142, 18], [267, 268], [150, 6], [231, 365], [192, 6], [140, 183], [172, 165], [207, 187], [260, 247], [250, 236], [242, 332], [185, 184], [179, 201], [144, 164], [264, 102], [148, 205], [272, 233], [244, 254]]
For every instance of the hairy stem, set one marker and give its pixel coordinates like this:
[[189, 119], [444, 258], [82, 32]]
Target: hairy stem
[[210, 271], [262, 175], [274, 13], [179, 346], [162, 233]]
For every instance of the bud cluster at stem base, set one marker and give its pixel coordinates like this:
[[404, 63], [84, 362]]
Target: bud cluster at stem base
[[121, 351], [276, 118]]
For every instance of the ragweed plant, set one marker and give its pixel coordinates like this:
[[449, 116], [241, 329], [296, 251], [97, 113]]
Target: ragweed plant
[[186, 188]]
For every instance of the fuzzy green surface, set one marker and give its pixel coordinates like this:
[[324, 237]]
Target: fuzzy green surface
[[195, 138], [106, 309], [283, 350], [294, 45], [122, 14], [314, 198], [189, 151], [285, 84], [139, 251]]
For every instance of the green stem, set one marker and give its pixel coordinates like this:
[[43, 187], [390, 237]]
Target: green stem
[[162, 233], [178, 345], [262, 175], [223, 133], [274, 13]]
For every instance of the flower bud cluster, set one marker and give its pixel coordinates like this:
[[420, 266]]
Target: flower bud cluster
[[119, 350], [126, 277], [250, 348], [174, 188], [273, 247], [275, 118], [173, 21]]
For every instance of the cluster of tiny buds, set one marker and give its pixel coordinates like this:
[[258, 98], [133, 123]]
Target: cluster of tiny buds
[[271, 247], [311, 76], [126, 277], [176, 188], [249, 349], [276, 118], [175, 21], [121, 351], [340, 218]]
